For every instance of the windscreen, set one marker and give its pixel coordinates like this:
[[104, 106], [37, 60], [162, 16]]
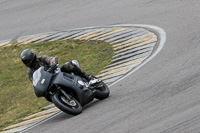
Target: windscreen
[[36, 76]]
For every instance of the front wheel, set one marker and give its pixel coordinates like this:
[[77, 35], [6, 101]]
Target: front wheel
[[102, 92], [72, 107]]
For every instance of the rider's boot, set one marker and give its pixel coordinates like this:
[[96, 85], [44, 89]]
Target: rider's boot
[[77, 70], [91, 79]]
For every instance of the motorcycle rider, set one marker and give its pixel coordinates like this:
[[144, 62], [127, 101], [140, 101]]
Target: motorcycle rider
[[30, 59]]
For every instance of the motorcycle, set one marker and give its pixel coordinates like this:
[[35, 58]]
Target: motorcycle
[[67, 91]]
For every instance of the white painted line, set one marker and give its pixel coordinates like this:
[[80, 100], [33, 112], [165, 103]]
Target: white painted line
[[133, 54], [41, 122], [135, 39], [130, 37], [145, 46], [131, 58], [139, 60], [122, 31], [85, 36], [127, 47]]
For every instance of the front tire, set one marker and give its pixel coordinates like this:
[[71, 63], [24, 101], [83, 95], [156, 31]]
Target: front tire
[[102, 92], [72, 107]]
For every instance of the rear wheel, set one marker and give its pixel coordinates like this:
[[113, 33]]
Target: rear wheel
[[102, 91], [72, 107]]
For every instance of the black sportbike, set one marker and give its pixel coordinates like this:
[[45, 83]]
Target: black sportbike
[[68, 92]]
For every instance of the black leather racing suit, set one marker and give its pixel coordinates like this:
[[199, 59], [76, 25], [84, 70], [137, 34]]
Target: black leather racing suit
[[68, 67]]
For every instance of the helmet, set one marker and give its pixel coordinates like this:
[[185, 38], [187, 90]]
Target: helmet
[[29, 58]]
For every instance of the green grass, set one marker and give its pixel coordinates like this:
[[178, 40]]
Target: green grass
[[17, 98]]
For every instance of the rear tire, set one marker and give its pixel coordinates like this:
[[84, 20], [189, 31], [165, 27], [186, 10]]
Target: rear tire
[[73, 108], [102, 92]]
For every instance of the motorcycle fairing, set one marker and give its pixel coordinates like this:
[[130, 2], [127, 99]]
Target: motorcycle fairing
[[41, 81], [84, 94]]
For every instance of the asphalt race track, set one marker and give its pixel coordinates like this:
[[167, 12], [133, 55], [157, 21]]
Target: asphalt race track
[[161, 97]]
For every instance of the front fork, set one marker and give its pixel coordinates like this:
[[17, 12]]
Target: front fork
[[64, 93]]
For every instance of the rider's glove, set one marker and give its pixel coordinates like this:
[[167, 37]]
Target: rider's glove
[[54, 63], [53, 66]]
